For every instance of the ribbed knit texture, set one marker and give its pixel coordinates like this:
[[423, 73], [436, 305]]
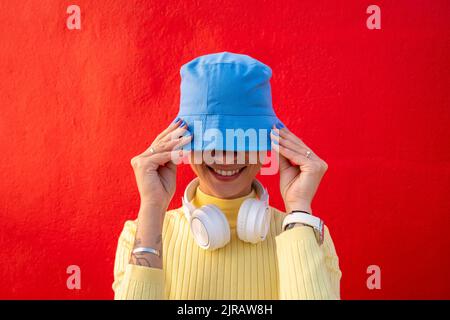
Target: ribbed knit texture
[[286, 265]]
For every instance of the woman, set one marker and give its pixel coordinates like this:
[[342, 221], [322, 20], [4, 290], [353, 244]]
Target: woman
[[226, 242]]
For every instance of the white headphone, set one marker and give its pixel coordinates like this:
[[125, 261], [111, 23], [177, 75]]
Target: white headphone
[[210, 227]]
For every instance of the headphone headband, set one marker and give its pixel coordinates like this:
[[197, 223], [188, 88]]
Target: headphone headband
[[189, 193], [187, 198], [261, 192]]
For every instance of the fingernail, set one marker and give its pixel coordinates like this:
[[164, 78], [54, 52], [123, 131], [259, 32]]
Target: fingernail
[[176, 120], [274, 132], [275, 141], [280, 125], [182, 123]]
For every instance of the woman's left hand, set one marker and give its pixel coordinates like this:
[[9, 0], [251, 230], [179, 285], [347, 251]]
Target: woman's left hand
[[301, 170]]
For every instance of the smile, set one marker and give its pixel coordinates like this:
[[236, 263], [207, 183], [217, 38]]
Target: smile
[[225, 174]]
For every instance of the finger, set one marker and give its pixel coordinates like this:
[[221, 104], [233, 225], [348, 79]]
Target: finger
[[291, 141], [182, 141], [177, 158], [175, 144], [285, 133], [174, 125], [284, 163], [274, 135], [169, 129], [163, 158], [300, 149], [168, 145], [294, 157], [170, 165], [177, 133]]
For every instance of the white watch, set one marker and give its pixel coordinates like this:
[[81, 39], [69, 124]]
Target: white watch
[[307, 219]]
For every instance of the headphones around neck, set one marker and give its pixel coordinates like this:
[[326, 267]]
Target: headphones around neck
[[210, 227]]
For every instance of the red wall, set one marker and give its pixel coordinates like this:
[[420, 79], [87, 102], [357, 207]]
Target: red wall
[[76, 105]]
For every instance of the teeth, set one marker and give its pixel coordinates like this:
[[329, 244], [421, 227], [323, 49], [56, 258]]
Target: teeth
[[226, 172]]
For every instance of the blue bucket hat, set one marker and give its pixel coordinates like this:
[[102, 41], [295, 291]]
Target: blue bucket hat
[[226, 102]]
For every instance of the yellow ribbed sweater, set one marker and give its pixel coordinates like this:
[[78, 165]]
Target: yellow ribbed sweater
[[286, 265]]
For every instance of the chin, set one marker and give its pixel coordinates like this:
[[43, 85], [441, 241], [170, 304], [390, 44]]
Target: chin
[[228, 181]]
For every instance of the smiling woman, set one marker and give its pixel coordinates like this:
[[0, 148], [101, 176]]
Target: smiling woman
[[226, 242]]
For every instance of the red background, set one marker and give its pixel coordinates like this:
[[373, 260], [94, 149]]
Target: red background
[[77, 105]]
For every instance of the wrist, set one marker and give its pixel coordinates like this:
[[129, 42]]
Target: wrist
[[154, 206], [150, 218], [301, 218], [148, 233], [155, 211], [294, 225], [300, 206]]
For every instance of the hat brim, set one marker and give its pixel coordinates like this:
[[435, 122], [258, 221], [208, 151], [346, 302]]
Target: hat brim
[[229, 132]]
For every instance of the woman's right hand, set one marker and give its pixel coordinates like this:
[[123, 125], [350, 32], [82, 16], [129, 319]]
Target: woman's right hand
[[155, 169]]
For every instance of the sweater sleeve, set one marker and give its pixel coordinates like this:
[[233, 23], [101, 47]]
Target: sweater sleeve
[[307, 270], [133, 282]]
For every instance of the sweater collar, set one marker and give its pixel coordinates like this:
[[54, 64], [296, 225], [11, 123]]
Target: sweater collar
[[230, 207]]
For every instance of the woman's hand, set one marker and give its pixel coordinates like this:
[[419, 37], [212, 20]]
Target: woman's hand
[[155, 172], [155, 169], [301, 170]]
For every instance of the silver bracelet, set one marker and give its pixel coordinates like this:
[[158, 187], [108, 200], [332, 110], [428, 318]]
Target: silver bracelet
[[147, 250]]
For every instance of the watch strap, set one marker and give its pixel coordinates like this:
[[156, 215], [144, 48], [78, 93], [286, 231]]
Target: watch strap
[[306, 219]]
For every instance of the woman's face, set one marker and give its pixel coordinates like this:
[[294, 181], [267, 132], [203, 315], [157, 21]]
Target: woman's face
[[226, 176]]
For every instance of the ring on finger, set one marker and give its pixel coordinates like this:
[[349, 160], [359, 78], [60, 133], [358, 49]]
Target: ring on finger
[[152, 150], [308, 154]]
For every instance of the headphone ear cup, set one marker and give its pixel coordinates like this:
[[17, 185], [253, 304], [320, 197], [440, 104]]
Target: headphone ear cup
[[253, 221], [210, 227]]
